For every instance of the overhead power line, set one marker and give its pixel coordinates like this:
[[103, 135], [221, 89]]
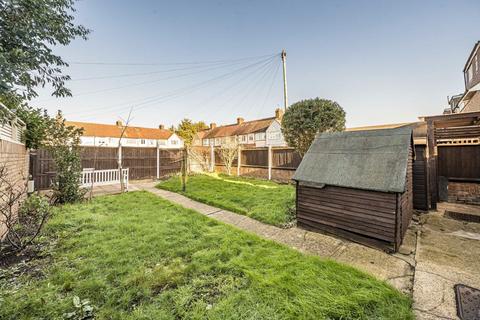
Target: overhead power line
[[136, 74], [184, 91], [164, 63]]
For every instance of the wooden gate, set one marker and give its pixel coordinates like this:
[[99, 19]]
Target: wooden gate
[[459, 162]]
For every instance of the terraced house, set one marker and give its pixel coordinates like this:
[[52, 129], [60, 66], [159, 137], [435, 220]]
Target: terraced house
[[107, 135], [469, 101], [255, 133]]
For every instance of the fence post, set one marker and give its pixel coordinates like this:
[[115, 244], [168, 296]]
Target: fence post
[[239, 160], [212, 158], [269, 162], [158, 161]]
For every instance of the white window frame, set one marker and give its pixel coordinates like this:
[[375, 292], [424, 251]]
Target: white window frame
[[260, 136], [251, 137]]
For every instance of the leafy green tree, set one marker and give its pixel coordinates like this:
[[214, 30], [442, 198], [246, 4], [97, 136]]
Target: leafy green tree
[[304, 119], [28, 31], [187, 130], [63, 143]]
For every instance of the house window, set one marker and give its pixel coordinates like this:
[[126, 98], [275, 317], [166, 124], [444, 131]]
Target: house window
[[274, 136], [205, 142], [470, 73], [217, 141], [162, 142], [142, 141], [251, 137], [244, 139], [174, 142], [102, 141], [260, 136]]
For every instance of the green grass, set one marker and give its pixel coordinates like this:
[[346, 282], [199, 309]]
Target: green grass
[[265, 201], [136, 256]]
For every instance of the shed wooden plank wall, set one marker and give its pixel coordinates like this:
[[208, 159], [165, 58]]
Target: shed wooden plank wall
[[420, 196], [406, 199], [365, 216]]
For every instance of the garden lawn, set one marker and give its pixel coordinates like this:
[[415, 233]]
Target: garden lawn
[[136, 256], [265, 201]]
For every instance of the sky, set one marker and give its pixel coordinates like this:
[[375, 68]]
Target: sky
[[382, 61]]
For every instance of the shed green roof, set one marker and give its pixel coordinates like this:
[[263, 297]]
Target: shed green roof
[[370, 160]]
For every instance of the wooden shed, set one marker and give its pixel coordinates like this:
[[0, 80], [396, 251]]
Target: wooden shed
[[358, 185]]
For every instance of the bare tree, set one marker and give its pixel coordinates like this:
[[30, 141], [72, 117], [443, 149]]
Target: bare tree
[[200, 156], [120, 169], [23, 218], [228, 153]]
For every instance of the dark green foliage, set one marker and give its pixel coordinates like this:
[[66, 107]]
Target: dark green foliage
[[136, 256], [304, 119], [262, 200], [28, 31]]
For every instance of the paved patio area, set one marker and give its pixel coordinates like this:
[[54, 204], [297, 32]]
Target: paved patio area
[[437, 252]]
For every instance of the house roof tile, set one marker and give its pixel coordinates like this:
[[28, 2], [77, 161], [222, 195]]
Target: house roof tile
[[114, 131], [245, 127]]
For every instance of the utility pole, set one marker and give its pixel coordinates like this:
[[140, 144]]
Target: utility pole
[[285, 95]]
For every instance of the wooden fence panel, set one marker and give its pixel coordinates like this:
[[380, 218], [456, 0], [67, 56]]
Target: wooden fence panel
[[170, 161], [459, 162], [142, 162], [285, 159], [100, 158], [255, 157]]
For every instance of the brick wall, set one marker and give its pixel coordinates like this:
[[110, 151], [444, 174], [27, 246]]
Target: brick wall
[[14, 158], [464, 192]]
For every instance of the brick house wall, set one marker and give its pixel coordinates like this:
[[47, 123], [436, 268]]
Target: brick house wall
[[14, 157], [464, 192]]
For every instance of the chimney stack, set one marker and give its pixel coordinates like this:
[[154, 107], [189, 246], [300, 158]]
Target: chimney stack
[[161, 127], [119, 123], [213, 125], [240, 120], [279, 114]]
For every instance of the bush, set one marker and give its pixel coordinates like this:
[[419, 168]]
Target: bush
[[25, 226], [304, 119]]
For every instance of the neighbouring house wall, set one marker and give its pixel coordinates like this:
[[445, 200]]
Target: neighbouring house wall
[[464, 192], [14, 157], [173, 142], [275, 136], [473, 104], [475, 71]]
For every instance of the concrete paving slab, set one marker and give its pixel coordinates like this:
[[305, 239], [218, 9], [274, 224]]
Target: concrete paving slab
[[321, 244], [445, 257], [376, 262]]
